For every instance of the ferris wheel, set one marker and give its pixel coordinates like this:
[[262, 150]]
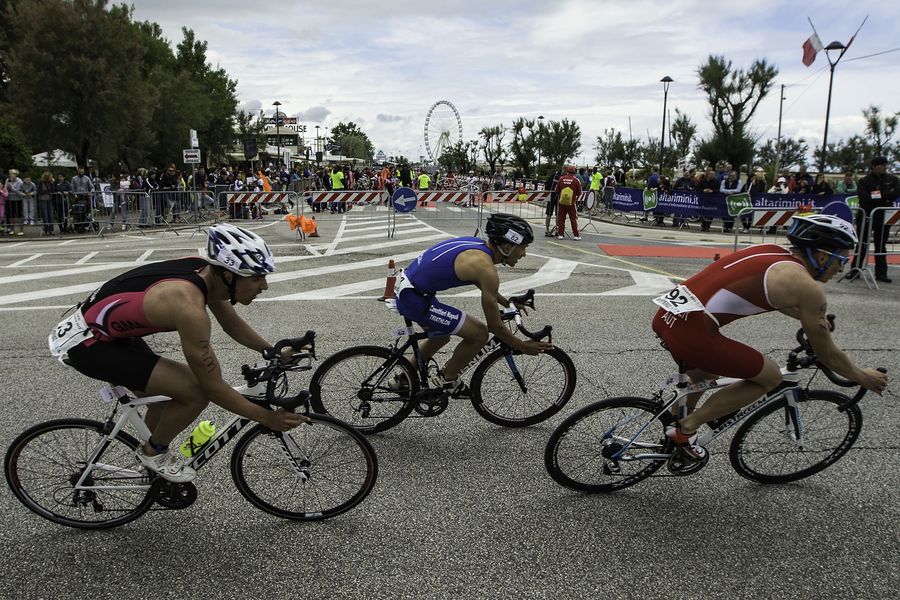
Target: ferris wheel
[[443, 128]]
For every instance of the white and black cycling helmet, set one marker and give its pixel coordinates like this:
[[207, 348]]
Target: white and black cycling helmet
[[239, 250], [822, 232], [505, 228]]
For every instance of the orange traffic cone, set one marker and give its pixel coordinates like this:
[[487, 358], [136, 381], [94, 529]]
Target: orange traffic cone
[[315, 228], [389, 284]]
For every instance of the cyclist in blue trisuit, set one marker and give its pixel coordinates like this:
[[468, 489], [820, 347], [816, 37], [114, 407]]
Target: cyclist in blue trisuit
[[456, 263], [175, 295]]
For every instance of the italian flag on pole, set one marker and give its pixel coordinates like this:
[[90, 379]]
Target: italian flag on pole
[[811, 48]]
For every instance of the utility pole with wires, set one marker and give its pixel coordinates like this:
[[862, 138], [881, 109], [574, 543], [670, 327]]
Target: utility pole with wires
[[778, 140]]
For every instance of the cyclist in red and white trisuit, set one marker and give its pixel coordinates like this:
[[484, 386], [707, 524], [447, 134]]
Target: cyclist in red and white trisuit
[[755, 280], [103, 337]]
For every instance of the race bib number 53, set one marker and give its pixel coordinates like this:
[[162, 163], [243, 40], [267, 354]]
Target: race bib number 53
[[679, 300]]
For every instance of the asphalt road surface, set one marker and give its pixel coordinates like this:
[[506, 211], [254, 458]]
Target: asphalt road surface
[[462, 508]]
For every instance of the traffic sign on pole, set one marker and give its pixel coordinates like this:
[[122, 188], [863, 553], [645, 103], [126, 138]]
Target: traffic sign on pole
[[191, 156], [404, 199]]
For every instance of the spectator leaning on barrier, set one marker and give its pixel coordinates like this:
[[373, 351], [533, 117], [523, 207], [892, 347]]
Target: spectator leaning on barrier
[[877, 189], [846, 185], [730, 185], [821, 187], [801, 179], [568, 190], [44, 195], [61, 199], [28, 191], [708, 185], [757, 185], [4, 196]]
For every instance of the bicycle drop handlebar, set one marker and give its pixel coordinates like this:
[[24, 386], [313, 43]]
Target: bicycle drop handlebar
[[527, 300], [276, 366], [796, 361]]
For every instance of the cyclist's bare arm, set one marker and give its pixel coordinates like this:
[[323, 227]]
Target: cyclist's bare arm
[[181, 306], [477, 267], [794, 291]]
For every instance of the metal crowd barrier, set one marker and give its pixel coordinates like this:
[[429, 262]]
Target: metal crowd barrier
[[764, 219], [890, 216]]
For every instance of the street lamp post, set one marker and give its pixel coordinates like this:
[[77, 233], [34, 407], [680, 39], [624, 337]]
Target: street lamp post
[[540, 141], [662, 135], [842, 48], [277, 104], [318, 148]]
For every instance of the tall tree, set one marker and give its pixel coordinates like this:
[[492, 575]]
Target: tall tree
[[880, 129], [614, 151], [524, 143], [794, 152], [460, 157], [492, 145], [216, 104], [682, 133], [352, 140], [733, 96], [74, 81], [14, 152], [560, 141]]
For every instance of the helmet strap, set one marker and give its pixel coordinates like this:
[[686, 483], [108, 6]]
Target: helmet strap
[[820, 270], [231, 285]]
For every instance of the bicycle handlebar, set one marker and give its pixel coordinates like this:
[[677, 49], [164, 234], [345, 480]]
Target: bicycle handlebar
[[299, 343], [795, 362], [527, 300]]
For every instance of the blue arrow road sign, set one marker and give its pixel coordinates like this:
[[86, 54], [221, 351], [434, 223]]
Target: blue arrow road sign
[[404, 199]]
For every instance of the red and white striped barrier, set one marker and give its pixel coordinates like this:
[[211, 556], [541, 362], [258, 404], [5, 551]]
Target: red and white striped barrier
[[454, 197], [258, 197], [772, 218], [891, 216], [349, 197]]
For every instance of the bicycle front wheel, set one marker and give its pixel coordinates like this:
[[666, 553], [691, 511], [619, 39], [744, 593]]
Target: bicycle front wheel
[[608, 445], [44, 464], [516, 390], [781, 443], [315, 471], [365, 387]]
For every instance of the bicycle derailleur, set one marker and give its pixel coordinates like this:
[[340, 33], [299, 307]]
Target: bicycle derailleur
[[171, 495]]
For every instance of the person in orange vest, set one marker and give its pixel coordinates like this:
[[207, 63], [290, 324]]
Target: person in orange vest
[[568, 191]]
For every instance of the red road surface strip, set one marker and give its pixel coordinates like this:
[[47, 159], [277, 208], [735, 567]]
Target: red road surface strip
[[664, 251]]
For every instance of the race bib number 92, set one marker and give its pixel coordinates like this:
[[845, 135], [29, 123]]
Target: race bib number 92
[[679, 300]]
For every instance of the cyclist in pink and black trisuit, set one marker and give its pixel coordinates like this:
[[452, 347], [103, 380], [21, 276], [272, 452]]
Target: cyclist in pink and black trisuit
[[755, 280], [174, 295]]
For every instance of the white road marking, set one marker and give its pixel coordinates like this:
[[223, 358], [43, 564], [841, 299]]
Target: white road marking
[[332, 292], [54, 293], [24, 260], [645, 284], [553, 271], [143, 257], [337, 237], [86, 258]]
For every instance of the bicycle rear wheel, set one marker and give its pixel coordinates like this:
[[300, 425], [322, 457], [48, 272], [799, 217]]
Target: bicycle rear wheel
[[356, 386], [45, 462], [315, 471], [782, 443], [548, 380], [608, 446]]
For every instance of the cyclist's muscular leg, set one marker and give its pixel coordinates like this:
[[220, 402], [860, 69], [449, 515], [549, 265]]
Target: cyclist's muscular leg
[[734, 397], [167, 420], [430, 347], [474, 336]]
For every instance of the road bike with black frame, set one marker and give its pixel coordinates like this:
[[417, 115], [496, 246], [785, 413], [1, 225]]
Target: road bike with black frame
[[789, 434], [84, 474], [373, 388]]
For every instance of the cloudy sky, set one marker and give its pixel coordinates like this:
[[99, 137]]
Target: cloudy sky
[[383, 64]]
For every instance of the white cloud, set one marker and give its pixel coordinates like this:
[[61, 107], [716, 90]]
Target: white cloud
[[598, 63]]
